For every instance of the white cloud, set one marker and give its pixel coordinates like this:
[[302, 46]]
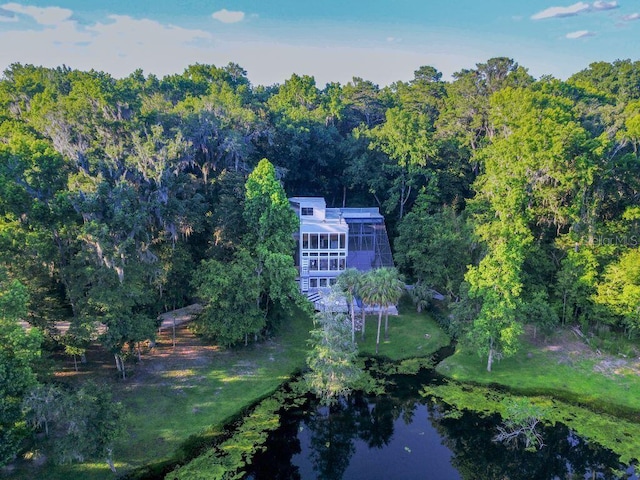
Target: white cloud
[[118, 46], [631, 17], [600, 5], [226, 16], [48, 16], [7, 16], [555, 12], [580, 34]]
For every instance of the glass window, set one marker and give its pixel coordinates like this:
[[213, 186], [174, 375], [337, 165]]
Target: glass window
[[333, 238], [341, 264], [342, 243], [306, 211], [313, 282], [324, 264], [305, 241], [333, 264], [332, 281], [313, 264], [324, 241], [313, 238], [323, 282]]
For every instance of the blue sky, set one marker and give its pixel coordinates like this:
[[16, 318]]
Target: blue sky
[[333, 40]]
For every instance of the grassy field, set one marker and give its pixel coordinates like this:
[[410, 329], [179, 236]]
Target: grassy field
[[411, 335], [176, 393], [562, 367], [194, 388]]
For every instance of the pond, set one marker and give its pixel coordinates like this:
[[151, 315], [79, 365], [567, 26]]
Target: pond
[[405, 436]]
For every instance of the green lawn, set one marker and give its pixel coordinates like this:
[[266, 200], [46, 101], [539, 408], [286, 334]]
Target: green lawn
[[563, 376], [411, 335], [603, 383]]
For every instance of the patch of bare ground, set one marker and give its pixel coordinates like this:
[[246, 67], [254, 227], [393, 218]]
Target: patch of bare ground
[[570, 346], [159, 365], [180, 364]]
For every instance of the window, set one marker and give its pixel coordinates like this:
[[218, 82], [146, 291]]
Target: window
[[306, 211], [342, 243], [313, 238], [313, 264], [323, 282], [334, 241], [313, 282], [324, 241], [305, 241]]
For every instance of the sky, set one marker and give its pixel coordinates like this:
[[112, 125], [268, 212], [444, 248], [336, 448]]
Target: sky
[[333, 40]]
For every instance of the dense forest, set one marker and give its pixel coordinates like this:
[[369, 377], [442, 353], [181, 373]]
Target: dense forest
[[516, 198]]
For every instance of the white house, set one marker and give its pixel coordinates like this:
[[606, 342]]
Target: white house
[[331, 239]]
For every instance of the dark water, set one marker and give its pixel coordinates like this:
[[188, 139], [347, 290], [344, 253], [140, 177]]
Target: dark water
[[403, 436]]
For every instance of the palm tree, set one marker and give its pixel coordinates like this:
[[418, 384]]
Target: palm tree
[[371, 293], [382, 287], [392, 288], [367, 292], [348, 283]]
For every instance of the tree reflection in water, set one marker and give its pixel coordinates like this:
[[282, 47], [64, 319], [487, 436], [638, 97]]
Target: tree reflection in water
[[403, 436]]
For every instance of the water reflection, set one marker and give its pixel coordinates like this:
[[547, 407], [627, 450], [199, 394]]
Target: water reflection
[[403, 436]]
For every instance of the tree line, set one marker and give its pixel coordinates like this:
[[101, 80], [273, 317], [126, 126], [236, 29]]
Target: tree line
[[516, 198]]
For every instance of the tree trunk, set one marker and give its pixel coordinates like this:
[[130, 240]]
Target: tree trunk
[[109, 461], [75, 362], [174, 332], [120, 365], [353, 322], [364, 320], [490, 359], [379, 326], [386, 323]]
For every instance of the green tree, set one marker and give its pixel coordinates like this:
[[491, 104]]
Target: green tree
[[305, 138], [496, 283], [18, 349], [80, 424], [434, 249], [271, 223], [537, 168], [407, 139], [332, 358], [43, 406], [230, 290], [348, 283], [576, 283], [619, 290]]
